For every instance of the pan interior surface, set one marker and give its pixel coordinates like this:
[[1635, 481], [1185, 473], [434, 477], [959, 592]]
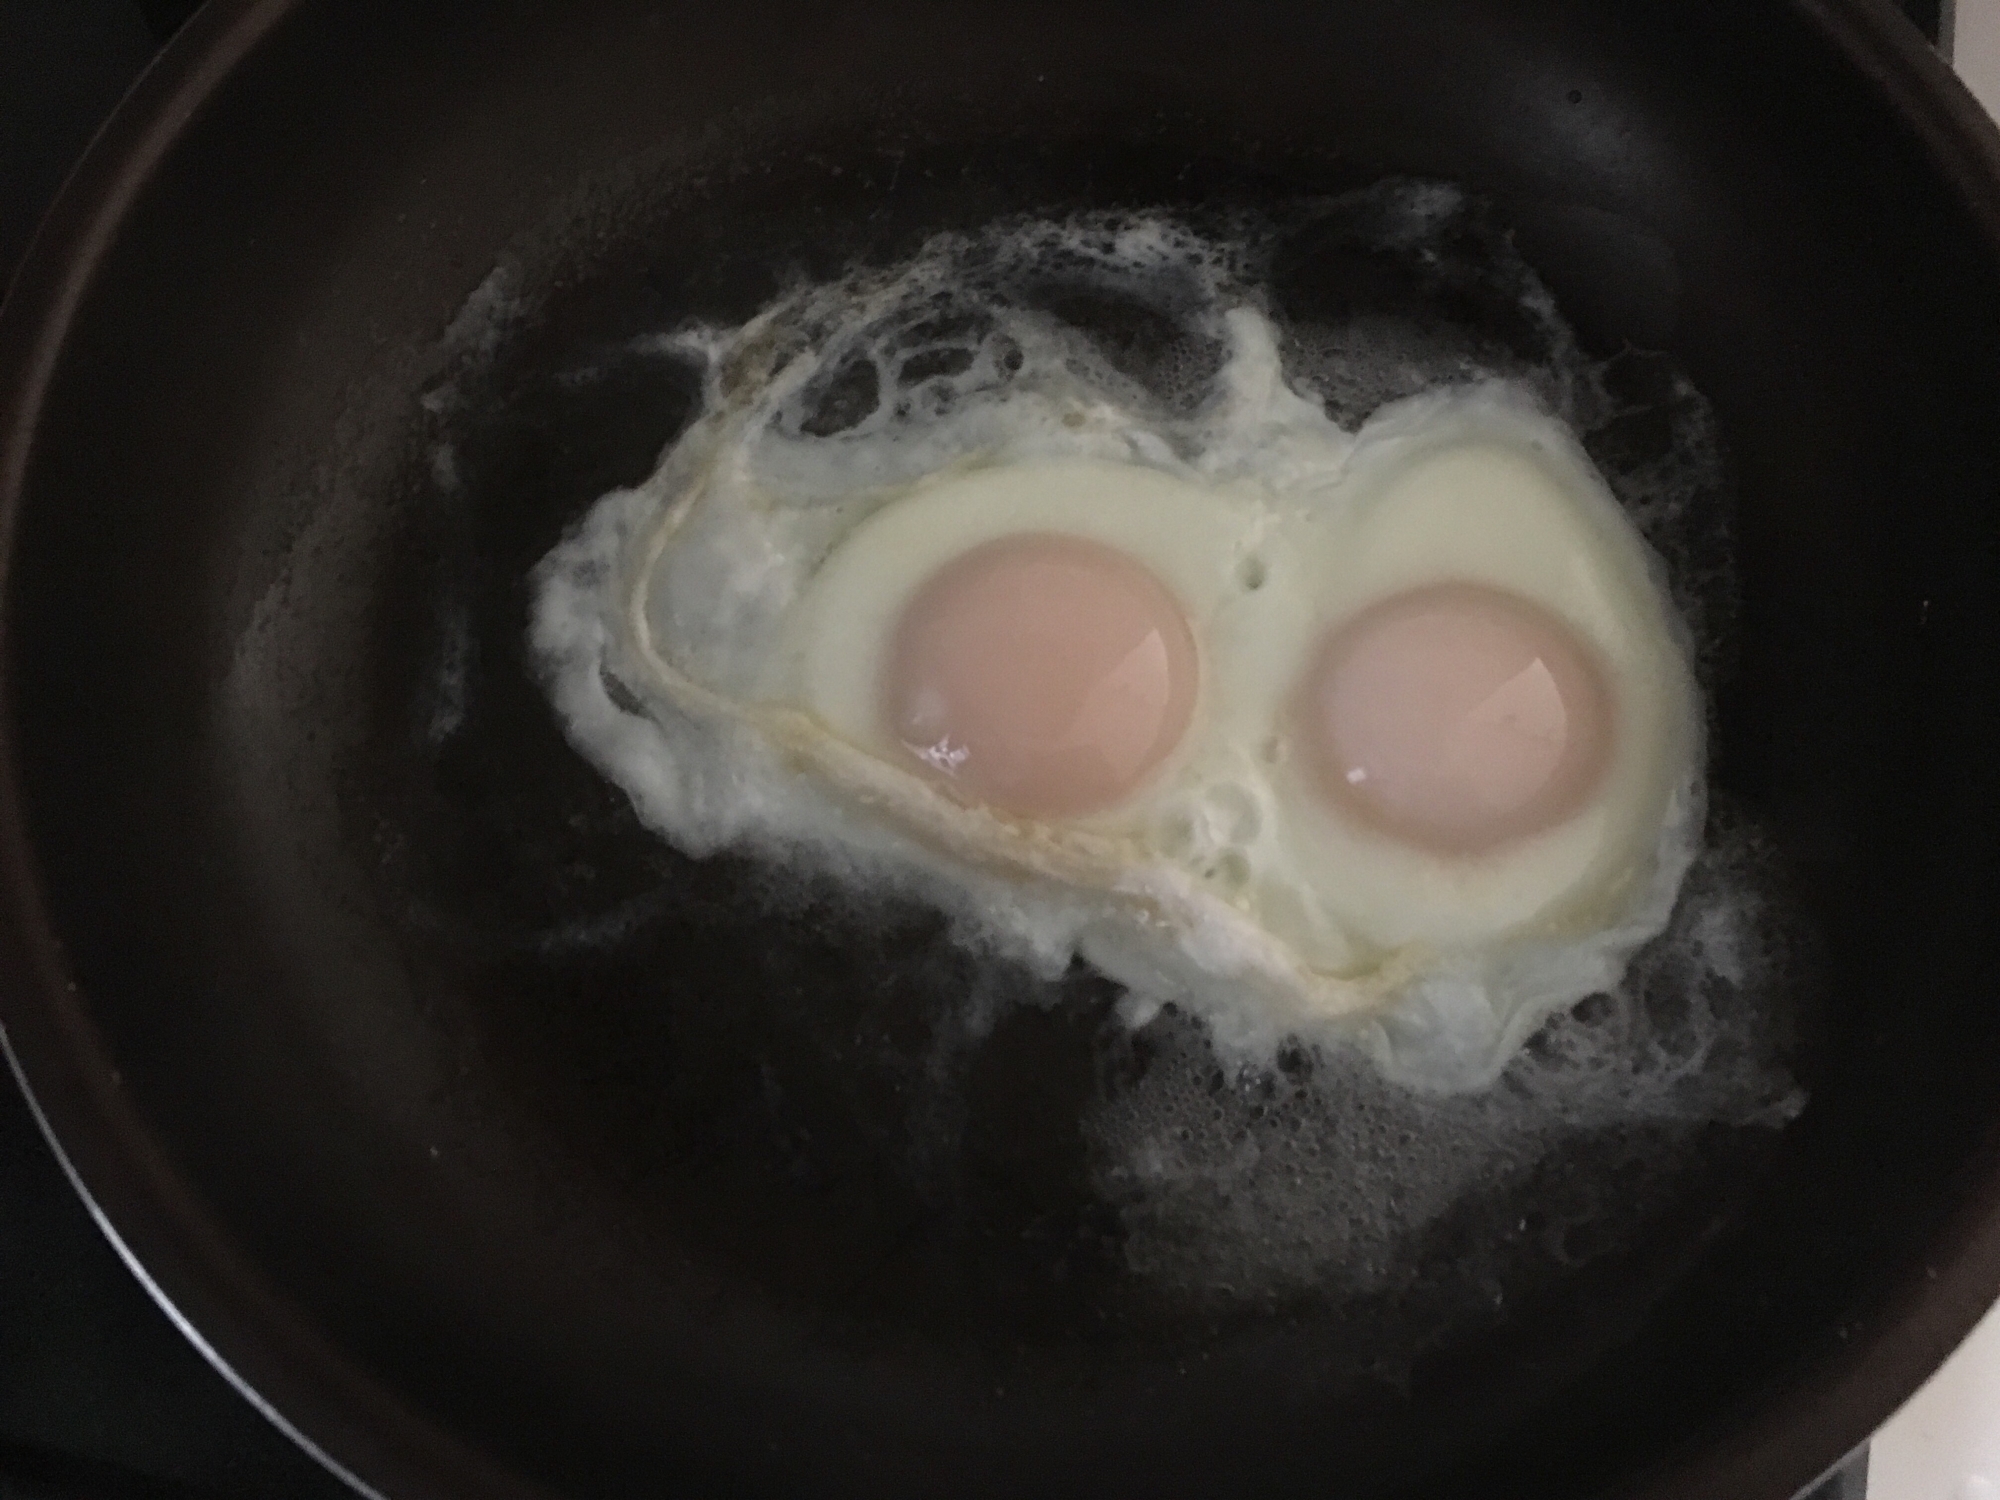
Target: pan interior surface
[[624, 1169]]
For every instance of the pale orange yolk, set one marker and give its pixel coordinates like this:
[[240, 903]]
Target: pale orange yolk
[[1457, 717], [1042, 675]]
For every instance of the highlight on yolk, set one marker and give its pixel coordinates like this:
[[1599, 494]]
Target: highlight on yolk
[[1457, 717], [1042, 675]]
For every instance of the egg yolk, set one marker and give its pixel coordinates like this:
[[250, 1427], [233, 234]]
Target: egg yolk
[[1457, 717], [1042, 675]]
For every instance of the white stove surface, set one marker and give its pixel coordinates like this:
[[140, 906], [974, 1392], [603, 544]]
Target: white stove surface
[[1977, 48], [1945, 1444]]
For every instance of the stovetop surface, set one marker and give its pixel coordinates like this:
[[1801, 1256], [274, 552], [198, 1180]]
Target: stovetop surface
[[100, 1396]]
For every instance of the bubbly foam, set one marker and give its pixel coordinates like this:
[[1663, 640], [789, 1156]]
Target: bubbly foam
[[1316, 1170]]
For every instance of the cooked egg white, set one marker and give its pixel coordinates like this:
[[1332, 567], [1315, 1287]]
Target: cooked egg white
[[716, 642]]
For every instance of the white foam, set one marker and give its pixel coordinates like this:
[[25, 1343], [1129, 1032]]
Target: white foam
[[1260, 1181]]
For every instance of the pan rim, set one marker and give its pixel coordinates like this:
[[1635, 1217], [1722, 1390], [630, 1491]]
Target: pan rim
[[334, 1410], [326, 1405]]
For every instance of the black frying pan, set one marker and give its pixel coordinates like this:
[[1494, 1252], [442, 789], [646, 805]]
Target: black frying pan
[[482, 1211]]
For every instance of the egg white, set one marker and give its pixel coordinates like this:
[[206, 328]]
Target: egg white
[[743, 611], [1471, 487]]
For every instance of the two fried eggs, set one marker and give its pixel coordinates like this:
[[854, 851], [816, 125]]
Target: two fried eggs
[[1387, 736]]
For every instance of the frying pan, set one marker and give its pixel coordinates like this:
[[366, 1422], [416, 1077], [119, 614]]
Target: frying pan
[[499, 1151]]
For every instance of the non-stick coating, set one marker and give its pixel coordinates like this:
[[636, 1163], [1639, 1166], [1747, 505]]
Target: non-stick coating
[[292, 984]]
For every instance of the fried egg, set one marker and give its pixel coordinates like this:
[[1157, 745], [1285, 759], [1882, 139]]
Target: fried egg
[[1387, 736]]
